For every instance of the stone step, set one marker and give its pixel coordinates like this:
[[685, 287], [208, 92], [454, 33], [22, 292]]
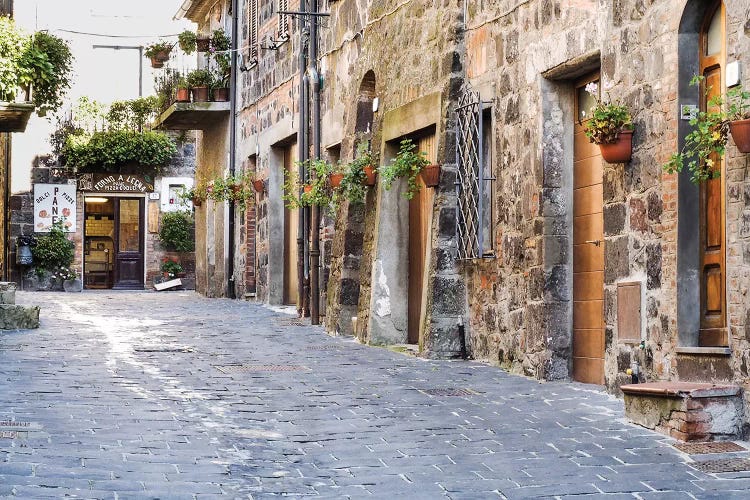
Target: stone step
[[13, 317], [689, 411]]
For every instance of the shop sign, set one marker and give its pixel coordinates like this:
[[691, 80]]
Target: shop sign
[[115, 183], [53, 203]]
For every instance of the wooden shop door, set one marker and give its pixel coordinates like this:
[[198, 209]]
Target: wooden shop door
[[713, 195], [588, 247], [290, 237], [129, 243], [420, 217]]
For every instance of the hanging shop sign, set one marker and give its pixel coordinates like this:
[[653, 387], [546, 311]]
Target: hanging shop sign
[[53, 203], [115, 183]]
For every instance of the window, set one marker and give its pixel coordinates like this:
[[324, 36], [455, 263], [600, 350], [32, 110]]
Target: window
[[283, 20], [252, 23]]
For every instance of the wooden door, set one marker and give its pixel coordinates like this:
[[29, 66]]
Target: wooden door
[[420, 217], [291, 230], [712, 194], [588, 248], [129, 243]]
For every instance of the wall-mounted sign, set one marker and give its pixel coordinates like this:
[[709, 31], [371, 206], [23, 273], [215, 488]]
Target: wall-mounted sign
[[52, 203], [115, 183]]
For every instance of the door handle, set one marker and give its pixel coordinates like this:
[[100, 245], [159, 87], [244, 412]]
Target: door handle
[[594, 242]]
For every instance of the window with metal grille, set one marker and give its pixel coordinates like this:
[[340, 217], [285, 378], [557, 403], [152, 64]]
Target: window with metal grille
[[283, 31], [252, 24], [473, 187]]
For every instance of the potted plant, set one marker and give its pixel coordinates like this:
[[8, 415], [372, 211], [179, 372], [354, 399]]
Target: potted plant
[[171, 268], [220, 86], [177, 231], [187, 41], [362, 166], [408, 164], [69, 278], [219, 41], [336, 176], [430, 175], [158, 53], [183, 90], [199, 81], [314, 191], [710, 134], [202, 42], [610, 127], [259, 185]]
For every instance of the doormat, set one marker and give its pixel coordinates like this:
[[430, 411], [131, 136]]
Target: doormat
[[709, 447], [449, 392], [229, 369], [723, 465]]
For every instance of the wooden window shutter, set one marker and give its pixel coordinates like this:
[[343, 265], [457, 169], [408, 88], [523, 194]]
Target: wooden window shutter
[[252, 16], [283, 20]]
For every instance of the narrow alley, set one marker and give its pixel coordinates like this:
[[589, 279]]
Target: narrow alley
[[145, 395]]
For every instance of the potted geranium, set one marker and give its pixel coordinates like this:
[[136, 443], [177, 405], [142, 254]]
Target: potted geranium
[[408, 164], [738, 114], [610, 127], [336, 175], [170, 268], [69, 278], [199, 81], [158, 53], [314, 191]]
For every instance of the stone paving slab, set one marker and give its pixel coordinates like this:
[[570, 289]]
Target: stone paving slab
[[121, 395]]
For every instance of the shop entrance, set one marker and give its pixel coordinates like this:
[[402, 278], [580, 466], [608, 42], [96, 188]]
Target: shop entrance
[[113, 242]]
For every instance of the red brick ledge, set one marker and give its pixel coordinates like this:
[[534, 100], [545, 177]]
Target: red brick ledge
[[680, 389]]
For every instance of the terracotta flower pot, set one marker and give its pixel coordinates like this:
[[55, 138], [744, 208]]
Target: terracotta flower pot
[[200, 94], [307, 188], [619, 151], [162, 55], [370, 175], [335, 180], [740, 130], [183, 95], [202, 44], [236, 189], [259, 185], [197, 202], [430, 175], [156, 64], [221, 94]]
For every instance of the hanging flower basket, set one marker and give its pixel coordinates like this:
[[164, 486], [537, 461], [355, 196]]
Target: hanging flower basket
[[740, 130], [621, 150], [202, 44], [259, 185], [156, 63], [307, 188], [370, 175], [197, 202], [335, 179], [430, 175]]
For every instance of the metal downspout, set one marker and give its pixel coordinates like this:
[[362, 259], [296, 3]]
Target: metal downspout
[[315, 225], [302, 153], [231, 290]]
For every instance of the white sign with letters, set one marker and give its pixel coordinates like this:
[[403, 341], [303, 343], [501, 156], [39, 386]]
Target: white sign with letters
[[52, 203]]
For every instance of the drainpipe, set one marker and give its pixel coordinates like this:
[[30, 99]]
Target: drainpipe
[[6, 204], [315, 225], [302, 153], [231, 292]]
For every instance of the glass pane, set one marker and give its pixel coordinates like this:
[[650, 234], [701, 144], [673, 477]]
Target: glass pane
[[587, 97], [129, 225], [714, 41]]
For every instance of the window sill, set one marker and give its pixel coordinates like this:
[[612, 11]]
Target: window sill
[[703, 351]]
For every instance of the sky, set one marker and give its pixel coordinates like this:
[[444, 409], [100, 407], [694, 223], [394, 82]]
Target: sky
[[102, 73]]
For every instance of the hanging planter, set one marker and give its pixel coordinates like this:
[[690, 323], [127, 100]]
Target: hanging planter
[[619, 151], [158, 53], [370, 175], [259, 185], [335, 179], [202, 44], [740, 130], [430, 175], [197, 202], [156, 63]]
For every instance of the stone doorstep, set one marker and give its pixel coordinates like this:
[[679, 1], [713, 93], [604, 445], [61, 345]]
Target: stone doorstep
[[687, 411]]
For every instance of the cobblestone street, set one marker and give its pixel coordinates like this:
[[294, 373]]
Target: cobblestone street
[[144, 395]]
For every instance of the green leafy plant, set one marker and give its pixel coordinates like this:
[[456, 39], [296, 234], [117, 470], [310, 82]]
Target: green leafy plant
[[706, 142], [177, 231], [42, 62], [64, 274], [199, 78], [166, 86], [187, 41], [158, 50], [220, 41], [132, 115], [353, 184], [53, 250], [607, 120], [171, 267], [314, 192], [408, 164], [195, 194], [237, 189], [108, 151]]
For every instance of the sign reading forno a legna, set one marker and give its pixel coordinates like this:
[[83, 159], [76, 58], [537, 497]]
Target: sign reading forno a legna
[[52, 203], [115, 183]]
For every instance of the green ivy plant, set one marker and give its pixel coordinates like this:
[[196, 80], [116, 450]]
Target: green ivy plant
[[108, 151], [353, 184], [316, 192], [708, 138], [187, 41], [42, 62], [237, 189], [53, 250], [408, 164], [199, 78], [607, 120], [177, 231]]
